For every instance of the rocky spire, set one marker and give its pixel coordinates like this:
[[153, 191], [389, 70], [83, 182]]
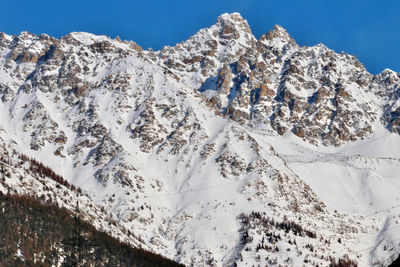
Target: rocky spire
[[233, 26], [277, 38], [278, 32]]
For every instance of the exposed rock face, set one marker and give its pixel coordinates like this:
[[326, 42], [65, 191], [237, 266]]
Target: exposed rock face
[[150, 134], [319, 95], [387, 86], [233, 26]]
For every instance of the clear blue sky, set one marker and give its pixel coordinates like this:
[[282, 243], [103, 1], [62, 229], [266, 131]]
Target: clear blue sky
[[368, 29]]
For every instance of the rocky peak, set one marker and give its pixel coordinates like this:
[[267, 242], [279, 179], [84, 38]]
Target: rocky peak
[[277, 40], [82, 38], [278, 32], [389, 76], [5, 39], [232, 26], [26, 35], [386, 84], [207, 50]]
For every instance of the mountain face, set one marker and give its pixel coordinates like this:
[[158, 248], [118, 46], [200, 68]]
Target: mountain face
[[222, 150]]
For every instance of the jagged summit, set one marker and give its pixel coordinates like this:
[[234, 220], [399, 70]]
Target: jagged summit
[[233, 24], [277, 40], [389, 72], [234, 16], [278, 32]]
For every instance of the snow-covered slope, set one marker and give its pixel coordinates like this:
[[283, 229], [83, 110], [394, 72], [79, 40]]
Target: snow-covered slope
[[222, 149]]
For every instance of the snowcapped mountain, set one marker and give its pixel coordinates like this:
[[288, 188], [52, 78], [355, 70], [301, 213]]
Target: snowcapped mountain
[[221, 150]]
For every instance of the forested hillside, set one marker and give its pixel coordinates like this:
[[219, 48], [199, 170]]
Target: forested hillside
[[33, 234]]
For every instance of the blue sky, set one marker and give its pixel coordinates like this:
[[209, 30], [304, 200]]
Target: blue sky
[[367, 29]]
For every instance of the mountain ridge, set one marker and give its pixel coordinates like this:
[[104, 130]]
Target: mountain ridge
[[222, 16]]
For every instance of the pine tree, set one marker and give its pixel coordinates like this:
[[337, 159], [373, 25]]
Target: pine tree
[[78, 241], [74, 244]]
